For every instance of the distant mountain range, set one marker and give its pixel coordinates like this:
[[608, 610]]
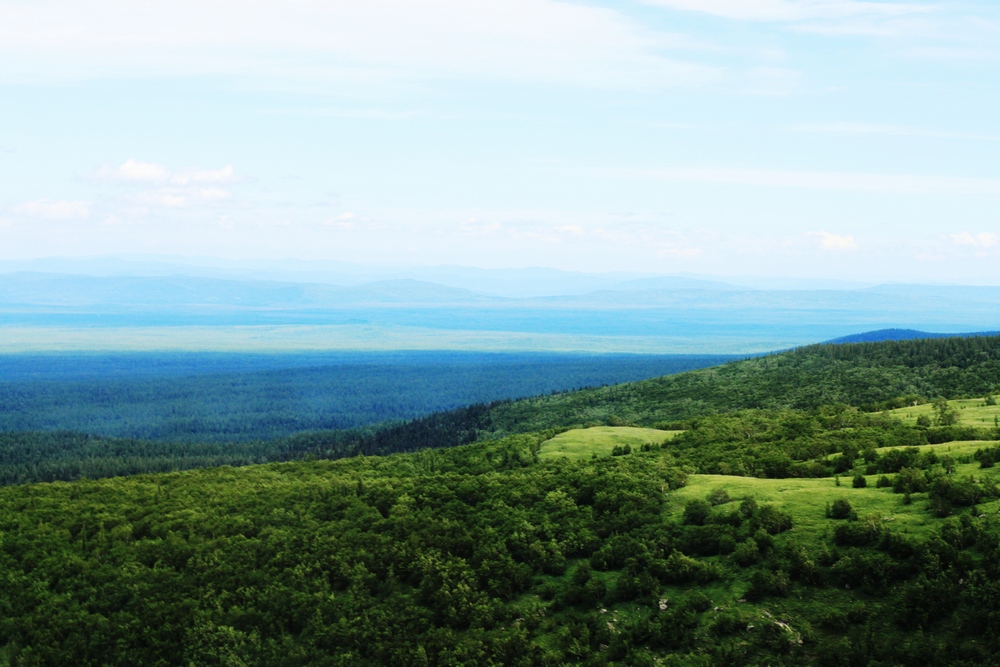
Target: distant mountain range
[[707, 314], [904, 334], [512, 283]]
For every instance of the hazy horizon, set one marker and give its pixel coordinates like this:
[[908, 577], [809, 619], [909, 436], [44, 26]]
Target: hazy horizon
[[818, 140]]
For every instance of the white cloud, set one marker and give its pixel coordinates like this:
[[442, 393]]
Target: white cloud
[[49, 209], [135, 171], [829, 241], [818, 180], [182, 197], [159, 186], [888, 130], [534, 40], [983, 240], [794, 10], [213, 194], [223, 175]]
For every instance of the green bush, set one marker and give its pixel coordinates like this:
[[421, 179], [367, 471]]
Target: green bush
[[765, 583], [718, 497], [696, 511], [746, 553], [859, 533], [840, 509]]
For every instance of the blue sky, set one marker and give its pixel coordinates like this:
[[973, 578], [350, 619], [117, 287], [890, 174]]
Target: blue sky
[[825, 139]]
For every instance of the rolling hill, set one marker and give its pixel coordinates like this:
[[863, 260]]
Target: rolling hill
[[788, 518]]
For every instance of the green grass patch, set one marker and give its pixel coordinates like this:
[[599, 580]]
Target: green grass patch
[[953, 449], [806, 501], [971, 412], [584, 443]]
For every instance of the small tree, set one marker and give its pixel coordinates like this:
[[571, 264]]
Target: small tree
[[841, 509], [944, 414], [718, 497], [860, 482], [696, 511]]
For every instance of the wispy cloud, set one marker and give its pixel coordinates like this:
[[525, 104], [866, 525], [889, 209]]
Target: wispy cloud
[[191, 176], [137, 171], [837, 242], [794, 10], [981, 240], [50, 209], [162, 187], [817, 180], [958, 28], [888, 130], [528, 40]]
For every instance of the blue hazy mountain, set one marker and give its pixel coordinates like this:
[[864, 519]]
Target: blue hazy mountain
[[903, 334], [651, 306]]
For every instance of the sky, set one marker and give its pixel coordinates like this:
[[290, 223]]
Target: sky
[[842, 139]]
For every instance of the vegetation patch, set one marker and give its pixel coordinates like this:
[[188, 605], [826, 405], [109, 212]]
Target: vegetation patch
[[982, 411], [585, 443]]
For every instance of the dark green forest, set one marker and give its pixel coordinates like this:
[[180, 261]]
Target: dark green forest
[[868, 376], [790, 521], [217, 397]]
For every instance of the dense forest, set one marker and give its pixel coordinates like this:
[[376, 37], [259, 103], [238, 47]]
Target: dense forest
[[483, 554], [787, 520], [869, 376], [216, 397]]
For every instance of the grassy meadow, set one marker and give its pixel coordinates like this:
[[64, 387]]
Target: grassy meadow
[[584, 443], [970, 411]]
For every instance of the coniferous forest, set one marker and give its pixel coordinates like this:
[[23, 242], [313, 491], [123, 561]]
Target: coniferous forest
[[791, 513]]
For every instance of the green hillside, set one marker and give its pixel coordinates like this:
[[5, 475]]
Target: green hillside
[[866, 375], [487, 554], [786, 533], [585, 443]]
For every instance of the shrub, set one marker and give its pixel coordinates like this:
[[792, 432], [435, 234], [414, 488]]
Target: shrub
[[841, 509], [696, 511], [764, 583], [859, 533], [706, 540], [718, 497], [910, 480], [698, 602], [865, 568], [729, 622], [771, 519], [763, 539], [860, 482], [681, 569], [746, 553], [883, 482]]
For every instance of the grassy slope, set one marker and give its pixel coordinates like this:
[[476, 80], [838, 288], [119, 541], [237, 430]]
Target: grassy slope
[[583, 443], [970, 411]]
